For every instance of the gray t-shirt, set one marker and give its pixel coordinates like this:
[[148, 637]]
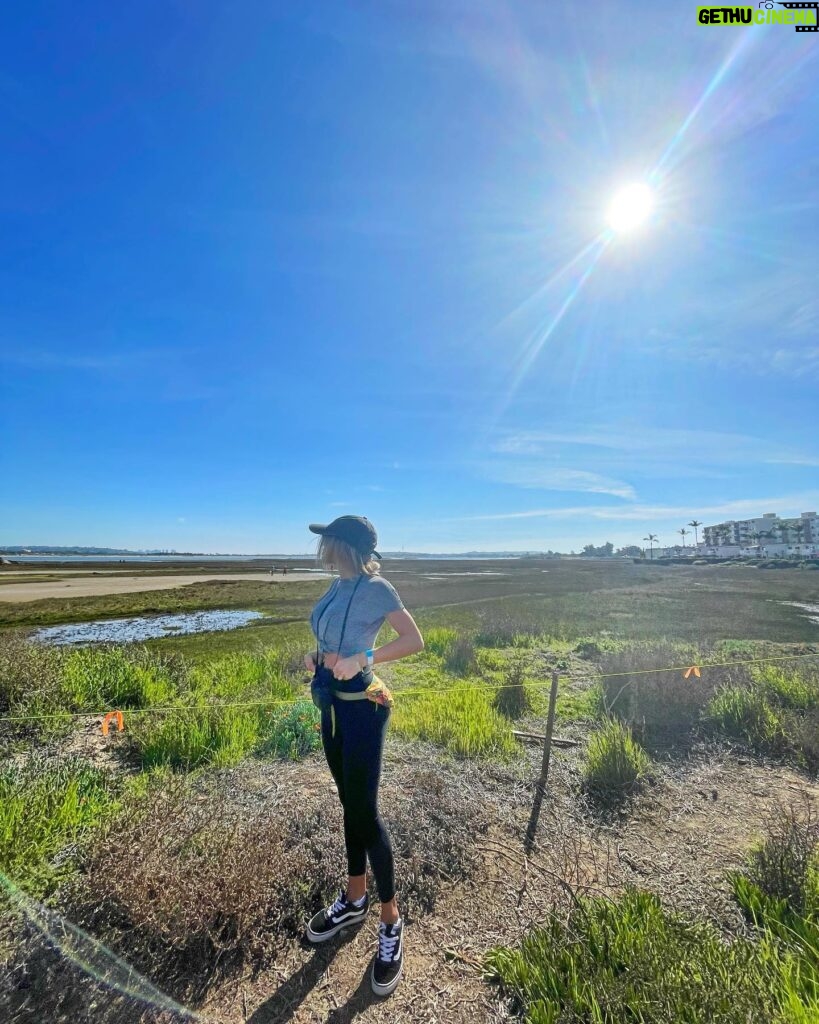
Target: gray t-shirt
[[375, 598]]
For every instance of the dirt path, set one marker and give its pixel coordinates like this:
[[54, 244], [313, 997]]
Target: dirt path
[[96, 586], [679, 841], [695, 822]]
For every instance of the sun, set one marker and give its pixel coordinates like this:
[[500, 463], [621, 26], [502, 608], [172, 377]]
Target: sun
[[630, 208]]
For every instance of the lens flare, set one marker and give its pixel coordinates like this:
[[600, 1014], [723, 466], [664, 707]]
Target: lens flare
[[99, 962]]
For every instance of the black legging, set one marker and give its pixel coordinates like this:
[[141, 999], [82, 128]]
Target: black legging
[[354, 757]]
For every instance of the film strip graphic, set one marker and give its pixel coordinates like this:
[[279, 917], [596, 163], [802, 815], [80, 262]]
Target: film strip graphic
[[798, 5]]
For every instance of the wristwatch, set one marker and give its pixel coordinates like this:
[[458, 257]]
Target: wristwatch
[[369, 655]]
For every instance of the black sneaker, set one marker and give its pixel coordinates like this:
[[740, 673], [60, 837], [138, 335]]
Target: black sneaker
[[333, 919], [389, 963]]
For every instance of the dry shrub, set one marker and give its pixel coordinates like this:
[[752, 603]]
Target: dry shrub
[[512, 699], [781, 865], [30, 684], [187, 885], [660, 707], [433, 832], [203, 877], [499, 627], [460, 657], [803, 733]]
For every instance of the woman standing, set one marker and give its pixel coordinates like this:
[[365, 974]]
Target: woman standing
[[346, 621]]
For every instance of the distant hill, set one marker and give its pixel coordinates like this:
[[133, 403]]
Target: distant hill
[[58, 549]]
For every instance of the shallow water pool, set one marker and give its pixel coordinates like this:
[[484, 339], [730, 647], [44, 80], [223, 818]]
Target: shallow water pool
[[143, 627]]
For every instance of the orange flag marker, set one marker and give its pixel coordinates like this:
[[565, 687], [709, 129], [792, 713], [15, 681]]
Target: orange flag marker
[[117, 716], [693, 669]]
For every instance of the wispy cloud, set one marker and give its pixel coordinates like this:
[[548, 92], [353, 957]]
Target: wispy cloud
[[43, 360], [532, 475], [740, 508], [102, 362], [672, 445]]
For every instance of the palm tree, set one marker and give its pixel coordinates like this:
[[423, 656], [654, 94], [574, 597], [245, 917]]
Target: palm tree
[[683, 531], [799, 530], [695, 524], [764, 536], [651, 538]]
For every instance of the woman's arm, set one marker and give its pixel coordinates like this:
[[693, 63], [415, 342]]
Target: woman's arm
[[408, 641]]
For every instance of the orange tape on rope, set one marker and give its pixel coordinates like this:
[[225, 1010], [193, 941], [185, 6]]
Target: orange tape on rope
[[117, 717]]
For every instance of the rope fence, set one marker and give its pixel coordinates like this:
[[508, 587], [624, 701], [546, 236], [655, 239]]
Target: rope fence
[[686, 670]]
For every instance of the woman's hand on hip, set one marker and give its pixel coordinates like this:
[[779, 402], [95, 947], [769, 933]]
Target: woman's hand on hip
[[346, 668]]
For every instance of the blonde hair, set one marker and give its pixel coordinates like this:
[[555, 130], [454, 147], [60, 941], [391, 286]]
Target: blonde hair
[[335, 553]]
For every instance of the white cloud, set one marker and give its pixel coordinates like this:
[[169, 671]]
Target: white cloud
[[673, 445], [742, 508], [533, 475]]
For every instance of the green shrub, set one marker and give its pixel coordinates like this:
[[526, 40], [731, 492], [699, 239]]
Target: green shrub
[[778, 890], [439, 640], [615, 765], [45, 805], [512, 699], [630, 960], [293, 731], [744, 712], [802, 731], [785, 862]]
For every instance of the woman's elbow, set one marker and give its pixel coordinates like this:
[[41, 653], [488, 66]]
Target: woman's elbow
[[419, 643]]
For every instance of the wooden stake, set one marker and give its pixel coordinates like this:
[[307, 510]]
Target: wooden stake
[[540, 789]]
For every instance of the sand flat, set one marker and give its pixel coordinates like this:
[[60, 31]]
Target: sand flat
[[97, 586]]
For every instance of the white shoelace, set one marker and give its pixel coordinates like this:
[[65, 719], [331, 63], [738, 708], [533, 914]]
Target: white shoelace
[[386, 944], [339, 904]]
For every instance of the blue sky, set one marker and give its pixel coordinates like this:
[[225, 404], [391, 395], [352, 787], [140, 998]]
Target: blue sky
[[266, 264]]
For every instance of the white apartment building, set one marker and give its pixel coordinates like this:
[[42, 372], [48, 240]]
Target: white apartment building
[[764, 535]]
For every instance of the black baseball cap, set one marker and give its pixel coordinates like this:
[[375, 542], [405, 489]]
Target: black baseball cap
[[358, 531]]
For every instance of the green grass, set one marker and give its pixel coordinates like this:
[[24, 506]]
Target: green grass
[[773, 712], [113, 677], [787, 687], [630, 960], [575, 704], [293, 732], [45, 805], [463, 721], [744, 712], [208, 732], [778, 890], [615, 765]]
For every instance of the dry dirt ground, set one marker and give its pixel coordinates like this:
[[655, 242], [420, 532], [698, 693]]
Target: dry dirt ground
[[702, 812], [95, 586]]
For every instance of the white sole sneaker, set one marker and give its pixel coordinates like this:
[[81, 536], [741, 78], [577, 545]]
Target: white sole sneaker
[[384, 990], [348, 922]]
